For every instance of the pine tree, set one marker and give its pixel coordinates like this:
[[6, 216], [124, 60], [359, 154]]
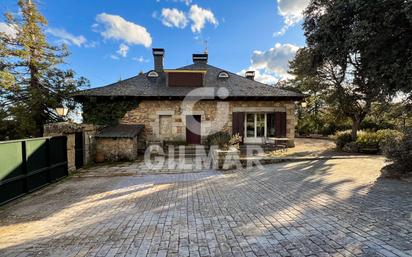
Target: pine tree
[[33, 83]]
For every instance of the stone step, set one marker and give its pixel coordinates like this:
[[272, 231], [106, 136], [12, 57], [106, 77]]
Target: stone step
[[188, 155]]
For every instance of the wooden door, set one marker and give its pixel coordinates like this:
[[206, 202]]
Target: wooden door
[[193, 129]]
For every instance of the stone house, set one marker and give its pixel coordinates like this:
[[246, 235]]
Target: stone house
[[188, 103]]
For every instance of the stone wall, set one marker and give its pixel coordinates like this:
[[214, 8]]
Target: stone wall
[[117, 149], [69, 129], [215, 116]]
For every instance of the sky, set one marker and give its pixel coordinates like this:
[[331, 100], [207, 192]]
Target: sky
[[113, 39]]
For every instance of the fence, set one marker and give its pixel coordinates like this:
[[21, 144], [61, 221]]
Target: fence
[[27, 165]]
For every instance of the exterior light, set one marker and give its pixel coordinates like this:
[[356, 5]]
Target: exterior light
[[62, 111], [304, 104]]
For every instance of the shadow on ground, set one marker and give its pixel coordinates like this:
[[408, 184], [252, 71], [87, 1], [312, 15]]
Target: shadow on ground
[[322, 207]]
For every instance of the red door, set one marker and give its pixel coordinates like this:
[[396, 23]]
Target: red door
[[193, 129]]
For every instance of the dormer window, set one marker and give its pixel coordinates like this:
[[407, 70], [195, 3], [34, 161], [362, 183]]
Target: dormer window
[[223, 75], [153, 74]]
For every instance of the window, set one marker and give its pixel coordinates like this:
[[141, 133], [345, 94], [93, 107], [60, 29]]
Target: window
[[153, 74], [250, 125], [260, 125], [165, 125], [223, 75], [185, 78]]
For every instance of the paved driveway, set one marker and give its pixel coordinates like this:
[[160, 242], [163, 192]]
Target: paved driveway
[[313, 208]]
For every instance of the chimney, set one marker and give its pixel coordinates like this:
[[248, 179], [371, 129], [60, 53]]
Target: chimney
[[200, 58], [250, 74], [158, 56]]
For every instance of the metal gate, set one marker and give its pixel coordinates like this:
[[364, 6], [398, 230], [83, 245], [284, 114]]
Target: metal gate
[[29, 164]]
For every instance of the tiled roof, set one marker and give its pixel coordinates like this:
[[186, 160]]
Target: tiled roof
[[145, 87], [121, 131]]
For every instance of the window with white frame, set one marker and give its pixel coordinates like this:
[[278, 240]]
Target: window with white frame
[[260, 125]]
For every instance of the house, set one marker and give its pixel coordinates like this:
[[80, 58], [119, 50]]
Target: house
[[191, 102]]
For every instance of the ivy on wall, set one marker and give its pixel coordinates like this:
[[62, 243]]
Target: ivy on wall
[[106, 111]]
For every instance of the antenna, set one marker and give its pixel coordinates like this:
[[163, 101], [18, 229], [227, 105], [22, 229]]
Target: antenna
[[206, 49]]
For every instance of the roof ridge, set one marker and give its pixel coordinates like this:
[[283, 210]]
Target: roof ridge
[[240, 76], [238, 85]]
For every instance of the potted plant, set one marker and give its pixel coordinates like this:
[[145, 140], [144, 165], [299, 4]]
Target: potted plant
[[225, 149]]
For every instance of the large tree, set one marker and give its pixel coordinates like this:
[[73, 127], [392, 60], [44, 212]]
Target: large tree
[[342, 54], [32, 81]]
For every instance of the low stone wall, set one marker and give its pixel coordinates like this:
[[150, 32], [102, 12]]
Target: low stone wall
[[116, 149]]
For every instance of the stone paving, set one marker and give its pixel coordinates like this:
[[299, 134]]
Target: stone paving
[[311, 208]]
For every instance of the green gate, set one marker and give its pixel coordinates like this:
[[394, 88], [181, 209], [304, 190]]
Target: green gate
[[29, 164]]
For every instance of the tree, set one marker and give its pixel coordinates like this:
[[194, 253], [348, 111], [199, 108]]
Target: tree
[[339, 54], [32, 82]]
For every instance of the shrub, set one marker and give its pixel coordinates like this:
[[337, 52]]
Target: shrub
[[373, 142], [366, 141], [398, 149], [342, 138], [386, 134], [223, 140]]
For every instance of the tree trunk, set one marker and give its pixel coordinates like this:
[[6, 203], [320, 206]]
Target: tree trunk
[[355, 127]]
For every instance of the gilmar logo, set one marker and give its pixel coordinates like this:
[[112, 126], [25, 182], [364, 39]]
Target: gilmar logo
[[201, 158]]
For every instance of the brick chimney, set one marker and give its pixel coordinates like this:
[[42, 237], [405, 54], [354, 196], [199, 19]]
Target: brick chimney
[[158, 56], [200, 58], [250, 74]]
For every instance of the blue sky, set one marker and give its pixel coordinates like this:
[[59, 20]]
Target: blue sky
[[112, 39]]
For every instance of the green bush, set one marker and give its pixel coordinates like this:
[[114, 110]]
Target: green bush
[[373, 142], [223, 140], [366, 141], [342, 138], [386, 134], [398, 149]]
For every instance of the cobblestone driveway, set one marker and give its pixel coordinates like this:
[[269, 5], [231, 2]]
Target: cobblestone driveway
[[316, 208]]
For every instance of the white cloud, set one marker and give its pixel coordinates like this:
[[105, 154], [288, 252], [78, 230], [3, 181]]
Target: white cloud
[[123, 50], [275, 59], [261, 76], [174, 18], [91, 44], [272, 65], [200, 16], [8, 30], [114, 57], [291, 11], [115, 27], [187, 2], [66, 37], [140, 59]]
